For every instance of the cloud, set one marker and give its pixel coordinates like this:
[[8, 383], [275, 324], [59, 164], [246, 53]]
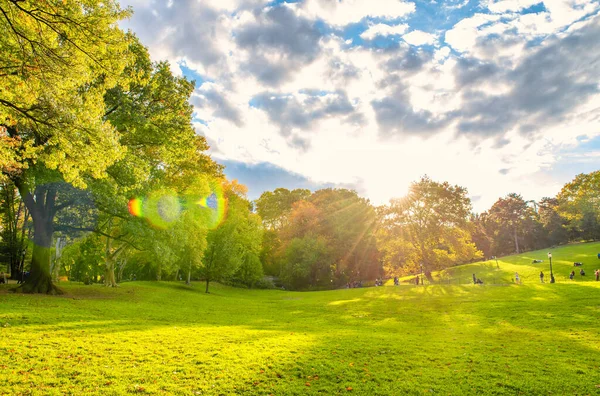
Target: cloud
[[187, 29], [211, 98], [381, 29], [276, 43], [342, 13], [326, 90], [418, 37], [548, 85], [503, 6], [295, 113]]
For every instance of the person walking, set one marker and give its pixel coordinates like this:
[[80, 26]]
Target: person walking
[[517, 278], [542, 276], [597, 275]]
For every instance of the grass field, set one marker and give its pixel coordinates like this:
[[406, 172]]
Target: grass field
[[166, 338]]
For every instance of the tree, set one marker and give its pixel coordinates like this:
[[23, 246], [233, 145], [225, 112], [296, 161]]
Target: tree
[[275, 206], [579, 204], [349, 223], [427, 228], [510, 215], [58, 61], [553, 223], [14, 232], [337, 223], [307, 262], [236, 240], [479, 235]]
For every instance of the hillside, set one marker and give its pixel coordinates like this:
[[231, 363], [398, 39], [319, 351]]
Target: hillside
[[562, 263]]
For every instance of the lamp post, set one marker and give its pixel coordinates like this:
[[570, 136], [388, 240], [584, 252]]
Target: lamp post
[[551, 274]]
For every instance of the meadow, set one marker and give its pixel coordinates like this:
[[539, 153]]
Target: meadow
[[452, 339]]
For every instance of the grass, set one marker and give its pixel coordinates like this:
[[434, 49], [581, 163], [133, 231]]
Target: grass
[[562, 265], [165, 338]]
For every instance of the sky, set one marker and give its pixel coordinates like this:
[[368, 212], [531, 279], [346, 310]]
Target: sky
[[495, 96]]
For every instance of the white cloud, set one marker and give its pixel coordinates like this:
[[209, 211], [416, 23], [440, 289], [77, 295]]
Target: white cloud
[[383, 30], [503, 6], [322, 124], [349, 11], [418, 37]]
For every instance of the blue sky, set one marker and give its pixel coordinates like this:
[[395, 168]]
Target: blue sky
[[496, 96]]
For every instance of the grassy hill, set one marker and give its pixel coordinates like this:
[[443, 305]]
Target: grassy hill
[[166, 338], [503, 271]]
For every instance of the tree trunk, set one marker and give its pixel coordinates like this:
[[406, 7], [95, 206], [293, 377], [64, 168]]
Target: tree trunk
[[207, 281], [42, 210], [58, 253], [109, 262], [158, 271], [428, 276], [40, 279], [109, 273], [189, 276], [121, 268], [516, 241]]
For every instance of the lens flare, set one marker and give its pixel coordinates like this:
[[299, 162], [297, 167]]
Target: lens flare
[[135, 207], [216, 205], [162, 209]]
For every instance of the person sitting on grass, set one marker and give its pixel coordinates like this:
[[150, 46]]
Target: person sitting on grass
[[572, 275], [597, 275], [582, 272], [542, 276]]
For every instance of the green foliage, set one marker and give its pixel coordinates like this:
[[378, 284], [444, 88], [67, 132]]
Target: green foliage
[[275, 206], [307, 263], [323, 240], [14, 230], [579, 203], [234, 246], [83, 260], [58, 60], [427, 229]]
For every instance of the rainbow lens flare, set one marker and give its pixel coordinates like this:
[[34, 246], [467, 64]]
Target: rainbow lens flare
[[135, 207], [216, 205], [162, 209]]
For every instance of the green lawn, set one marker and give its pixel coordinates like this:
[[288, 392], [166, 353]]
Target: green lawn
[[165, 338]]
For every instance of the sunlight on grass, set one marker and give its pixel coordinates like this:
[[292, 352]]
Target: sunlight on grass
[[164, 338]]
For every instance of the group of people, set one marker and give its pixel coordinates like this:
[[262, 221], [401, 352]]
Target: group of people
[[352, 285], [571, 275]]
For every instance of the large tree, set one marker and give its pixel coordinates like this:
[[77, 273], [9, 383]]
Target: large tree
[[235, 243], [427, 229], [59, 58], [512, 220], [579, 203]]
